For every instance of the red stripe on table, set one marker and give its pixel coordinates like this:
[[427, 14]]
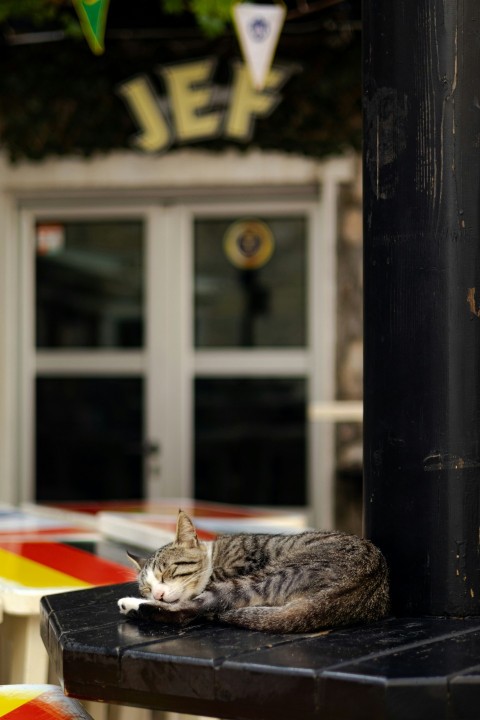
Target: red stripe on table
[[74, 562], [193, 508], [46, 531], [38, 710]]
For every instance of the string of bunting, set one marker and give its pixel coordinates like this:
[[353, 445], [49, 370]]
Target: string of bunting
[[258, 28], [93, 19]]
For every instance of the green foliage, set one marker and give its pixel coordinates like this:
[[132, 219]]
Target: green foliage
[[39, 13], [174, 7], [212, 15]]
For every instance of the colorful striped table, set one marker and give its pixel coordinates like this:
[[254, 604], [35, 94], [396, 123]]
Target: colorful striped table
[[38, 702], [150, 530], [29, 570], [26, 524], [169, 507], [151, 523]]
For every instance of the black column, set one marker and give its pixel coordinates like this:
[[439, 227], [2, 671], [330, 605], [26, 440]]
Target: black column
[[422, 299]]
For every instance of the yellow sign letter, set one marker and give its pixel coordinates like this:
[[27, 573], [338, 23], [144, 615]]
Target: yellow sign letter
[[142, 100], [191, 99], [247, 103]]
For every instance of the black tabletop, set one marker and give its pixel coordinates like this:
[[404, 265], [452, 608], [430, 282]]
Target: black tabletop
[[397, 669]]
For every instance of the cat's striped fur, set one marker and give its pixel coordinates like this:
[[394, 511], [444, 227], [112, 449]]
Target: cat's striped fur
[[277, 583]]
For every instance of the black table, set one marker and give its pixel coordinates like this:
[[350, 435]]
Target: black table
[[397, 669]]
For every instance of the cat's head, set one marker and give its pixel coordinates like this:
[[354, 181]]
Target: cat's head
[[178, 571]]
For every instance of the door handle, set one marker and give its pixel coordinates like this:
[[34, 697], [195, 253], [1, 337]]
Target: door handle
[[151, 448]]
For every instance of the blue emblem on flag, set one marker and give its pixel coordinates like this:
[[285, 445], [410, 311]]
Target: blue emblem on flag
[[259, 29]]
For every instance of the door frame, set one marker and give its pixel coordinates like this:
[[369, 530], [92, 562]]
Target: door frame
[[176, 218]]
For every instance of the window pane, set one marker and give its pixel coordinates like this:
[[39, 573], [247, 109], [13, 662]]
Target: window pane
[[250, 440], [89, 284], [89, 438], [250, 287]]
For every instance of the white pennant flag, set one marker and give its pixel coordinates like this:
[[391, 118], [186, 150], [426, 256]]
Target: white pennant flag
[[258, 29]]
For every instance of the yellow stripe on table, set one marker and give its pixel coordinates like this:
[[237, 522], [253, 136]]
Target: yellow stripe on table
[[30, 574], [14, 696], [38, 702]]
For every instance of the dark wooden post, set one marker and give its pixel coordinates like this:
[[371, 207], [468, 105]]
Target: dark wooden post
[[422, 299]]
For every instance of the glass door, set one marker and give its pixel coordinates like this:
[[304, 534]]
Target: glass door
[[171, 352], [86, 356], [89, 298], [252, 340]]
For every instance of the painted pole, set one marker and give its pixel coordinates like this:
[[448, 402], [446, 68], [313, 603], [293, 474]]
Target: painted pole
[[422, 299]]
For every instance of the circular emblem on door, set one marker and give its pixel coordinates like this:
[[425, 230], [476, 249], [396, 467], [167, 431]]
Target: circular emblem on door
[[248, 244]]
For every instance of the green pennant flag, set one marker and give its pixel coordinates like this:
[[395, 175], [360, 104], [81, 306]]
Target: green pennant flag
[[93, 18]]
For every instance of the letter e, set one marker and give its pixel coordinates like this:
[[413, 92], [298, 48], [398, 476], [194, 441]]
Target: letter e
[[191, 99]]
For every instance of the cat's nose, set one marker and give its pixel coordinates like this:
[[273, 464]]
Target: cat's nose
[[158, 595]]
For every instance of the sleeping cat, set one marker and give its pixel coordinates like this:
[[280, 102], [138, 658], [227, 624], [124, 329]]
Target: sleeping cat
[[276, 583]]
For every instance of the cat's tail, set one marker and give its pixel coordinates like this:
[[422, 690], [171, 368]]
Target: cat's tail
[[309, 614]]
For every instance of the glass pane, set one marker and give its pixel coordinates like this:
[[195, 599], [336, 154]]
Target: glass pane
[[89, 284], [250, 282], [250, 440], [89, 438]]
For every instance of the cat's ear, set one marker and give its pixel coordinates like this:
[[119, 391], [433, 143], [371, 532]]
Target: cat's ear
[[186, 534], [139, 562]]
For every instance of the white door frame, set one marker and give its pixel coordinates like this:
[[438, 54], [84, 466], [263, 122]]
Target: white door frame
[[16, 411]]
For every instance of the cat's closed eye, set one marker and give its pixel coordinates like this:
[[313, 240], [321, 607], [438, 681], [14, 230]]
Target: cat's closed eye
[[183, 569]]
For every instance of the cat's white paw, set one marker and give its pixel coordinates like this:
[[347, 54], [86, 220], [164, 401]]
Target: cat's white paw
[[127, 604]]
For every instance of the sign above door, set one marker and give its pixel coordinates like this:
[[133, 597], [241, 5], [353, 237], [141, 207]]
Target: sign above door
[[195, 108]]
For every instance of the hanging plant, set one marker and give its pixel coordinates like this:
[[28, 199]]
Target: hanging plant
[[39, 14], [213, 17]]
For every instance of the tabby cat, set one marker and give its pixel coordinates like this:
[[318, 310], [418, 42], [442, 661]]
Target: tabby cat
[[277, 583]]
